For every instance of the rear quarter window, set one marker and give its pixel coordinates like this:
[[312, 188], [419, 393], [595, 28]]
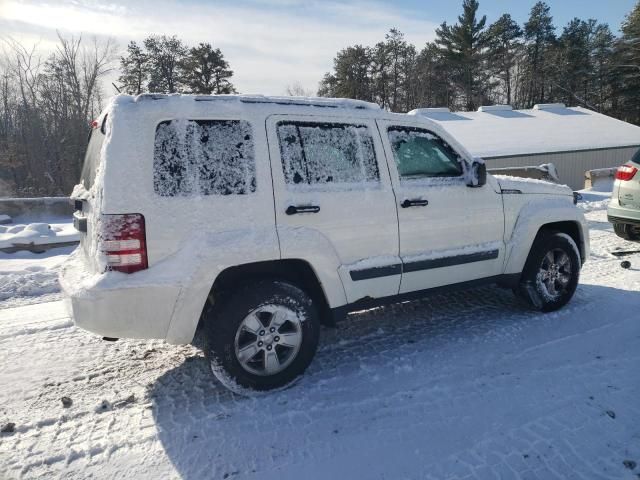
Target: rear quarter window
[[204, 157], [92, 158]]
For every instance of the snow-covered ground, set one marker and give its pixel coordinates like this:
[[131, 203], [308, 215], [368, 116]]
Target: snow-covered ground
[[27, 278], [466, 385]]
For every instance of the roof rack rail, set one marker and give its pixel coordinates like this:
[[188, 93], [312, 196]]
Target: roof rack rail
[[311, 101], [301, 101]]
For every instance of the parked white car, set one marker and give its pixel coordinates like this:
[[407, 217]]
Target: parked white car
[[624, 207], [254, 219]]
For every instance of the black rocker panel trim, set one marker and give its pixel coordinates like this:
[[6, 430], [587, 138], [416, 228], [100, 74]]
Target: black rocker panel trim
[[506, 281], [450, 261], [419, 265], [376, 272]]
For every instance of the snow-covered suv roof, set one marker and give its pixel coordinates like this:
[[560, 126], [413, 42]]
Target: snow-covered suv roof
[[256, 99]]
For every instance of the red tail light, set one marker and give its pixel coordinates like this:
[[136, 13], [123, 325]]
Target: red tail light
[[124, 242], [626, 172]]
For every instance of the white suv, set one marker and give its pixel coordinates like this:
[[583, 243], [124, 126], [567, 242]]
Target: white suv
[[624, 207], [255, 219]]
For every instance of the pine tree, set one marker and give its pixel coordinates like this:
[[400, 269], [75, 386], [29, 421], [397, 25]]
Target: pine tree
[[434, 85], [380, 74], [503, 43], [576, 44], [539, 34], [627, 67], [166, 55], [351, 77], [396, 49], [603, 75], [462, 46], [328, 86], [205, 71], [134, 68]]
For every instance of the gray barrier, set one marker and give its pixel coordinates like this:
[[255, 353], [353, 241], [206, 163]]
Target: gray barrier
[[36, 209]]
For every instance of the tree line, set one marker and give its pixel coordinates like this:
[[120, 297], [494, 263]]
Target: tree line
[[47, 101], [471, 63], [165, 64]]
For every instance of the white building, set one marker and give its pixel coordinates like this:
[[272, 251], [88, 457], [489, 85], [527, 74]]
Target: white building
[[573, 139]]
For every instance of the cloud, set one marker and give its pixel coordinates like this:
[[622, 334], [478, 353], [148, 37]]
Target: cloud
[[269, 43]]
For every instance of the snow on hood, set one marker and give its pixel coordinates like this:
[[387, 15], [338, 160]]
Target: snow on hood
[[531, 185]]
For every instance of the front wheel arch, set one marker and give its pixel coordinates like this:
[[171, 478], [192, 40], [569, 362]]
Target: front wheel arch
[[569, 228], [530, 289]]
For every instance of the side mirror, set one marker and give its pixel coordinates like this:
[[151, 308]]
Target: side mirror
[[478, 175]]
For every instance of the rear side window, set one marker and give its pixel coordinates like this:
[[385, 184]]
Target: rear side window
[[327, 153], [204, 157], [92, 158], [421, 154]]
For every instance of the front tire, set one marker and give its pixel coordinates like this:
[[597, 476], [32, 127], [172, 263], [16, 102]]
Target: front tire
[[551, 273], [263, 337]]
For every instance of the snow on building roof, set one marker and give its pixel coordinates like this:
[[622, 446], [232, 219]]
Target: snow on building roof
[[500, 131]]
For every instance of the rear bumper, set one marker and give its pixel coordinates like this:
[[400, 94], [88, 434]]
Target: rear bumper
[[114, 304], [618, 214]]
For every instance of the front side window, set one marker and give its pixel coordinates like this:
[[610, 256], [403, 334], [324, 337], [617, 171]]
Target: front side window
[[327, 153], [203, 157], [421, 154]]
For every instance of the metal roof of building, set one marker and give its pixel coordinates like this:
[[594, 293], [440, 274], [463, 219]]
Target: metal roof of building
[[499, 131]]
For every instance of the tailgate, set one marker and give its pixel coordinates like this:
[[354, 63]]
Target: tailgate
[[629, 190]]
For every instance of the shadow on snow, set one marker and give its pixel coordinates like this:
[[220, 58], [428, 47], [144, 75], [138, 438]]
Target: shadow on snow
[[372, 361]]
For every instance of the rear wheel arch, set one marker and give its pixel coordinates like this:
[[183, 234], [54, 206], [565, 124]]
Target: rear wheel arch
[[298, 272]]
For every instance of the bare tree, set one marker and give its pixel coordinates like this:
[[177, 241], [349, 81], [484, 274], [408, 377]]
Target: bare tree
[[297, 90], [46, 106]]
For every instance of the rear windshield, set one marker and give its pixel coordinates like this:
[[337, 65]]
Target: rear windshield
[[636, 157], [92, 158]]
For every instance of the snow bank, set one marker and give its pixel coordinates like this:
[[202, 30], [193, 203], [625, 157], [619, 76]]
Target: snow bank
[[37, 234], [27, 278]]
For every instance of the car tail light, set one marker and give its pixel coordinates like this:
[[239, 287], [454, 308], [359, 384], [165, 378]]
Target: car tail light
[[124, 242], [626, 172]]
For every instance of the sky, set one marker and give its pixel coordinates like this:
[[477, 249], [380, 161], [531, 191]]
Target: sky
[[270, 44]]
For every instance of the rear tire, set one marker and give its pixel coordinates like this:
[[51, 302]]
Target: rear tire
[[262, 337], [551, 273], [627, 231]]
